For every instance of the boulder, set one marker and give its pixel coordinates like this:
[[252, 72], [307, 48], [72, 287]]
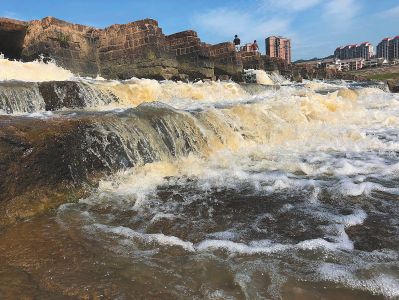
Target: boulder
[[393, 85]]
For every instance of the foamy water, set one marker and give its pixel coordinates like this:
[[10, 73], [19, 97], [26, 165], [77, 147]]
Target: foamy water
[[36, 71], [277, 194], [279, 182]]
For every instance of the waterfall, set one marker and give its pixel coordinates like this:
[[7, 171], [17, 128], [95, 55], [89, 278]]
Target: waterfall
[[20, 97]]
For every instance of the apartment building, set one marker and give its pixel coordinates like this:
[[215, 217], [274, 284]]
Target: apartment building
[[363, 50], [277, 46], [394, 48], [388, 48], [383, 48]]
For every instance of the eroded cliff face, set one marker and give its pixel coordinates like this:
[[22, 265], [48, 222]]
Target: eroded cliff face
[[137, 49], [12, 34], [74, 47]]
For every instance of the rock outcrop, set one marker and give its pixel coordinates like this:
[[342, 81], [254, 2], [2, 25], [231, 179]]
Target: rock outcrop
[[227, 60], [12, 35], [34, 160], [30, 97], [192, 55], [46, 162], [393, 85], [137, 49], [72, 46]]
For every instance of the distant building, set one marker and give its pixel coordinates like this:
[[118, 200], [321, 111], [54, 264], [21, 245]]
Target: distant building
[[351, 64], [394, 48], [388, 48], [383, 48], [277, 46], [375, 62], [247, 48], [364, 50]]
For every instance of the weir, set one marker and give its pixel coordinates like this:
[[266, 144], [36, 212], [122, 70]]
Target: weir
[[70, 149]]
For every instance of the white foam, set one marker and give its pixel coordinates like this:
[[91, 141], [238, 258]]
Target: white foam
[[377, 284], [35, 71], [158, 238]]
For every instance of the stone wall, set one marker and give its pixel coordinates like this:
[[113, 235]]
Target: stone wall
[[185, 42], [72, 46], [192, 55], [136, 49], [252, 60], [275, 64], [226, 60]]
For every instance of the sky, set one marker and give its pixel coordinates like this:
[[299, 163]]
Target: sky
[[316, 27]]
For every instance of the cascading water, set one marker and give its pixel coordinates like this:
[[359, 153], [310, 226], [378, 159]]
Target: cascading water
[[216, 192]]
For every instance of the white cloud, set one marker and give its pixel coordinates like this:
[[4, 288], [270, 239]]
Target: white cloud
[[225, 23], [290, 5], [341, 12]]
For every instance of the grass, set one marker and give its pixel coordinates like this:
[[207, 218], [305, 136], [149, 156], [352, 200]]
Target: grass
[[384, 76]]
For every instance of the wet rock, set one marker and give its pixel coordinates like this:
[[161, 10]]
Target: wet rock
[[29, 97], [35, 160], [393, 86], [61, 94], [297, 78], [375, 233], [47, 162]]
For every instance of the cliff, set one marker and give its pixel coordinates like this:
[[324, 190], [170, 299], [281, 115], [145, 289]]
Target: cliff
[[137, 49], [12, 34]]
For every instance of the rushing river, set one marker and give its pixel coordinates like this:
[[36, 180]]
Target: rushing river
[[287, 193]]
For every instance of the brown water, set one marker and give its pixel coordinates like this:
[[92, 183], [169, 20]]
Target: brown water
[[285, 194], [59, 256]]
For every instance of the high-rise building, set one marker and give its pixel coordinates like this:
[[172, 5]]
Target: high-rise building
[[383, 48], [388, 48], [394, 48], [277, 46], [364, 50]]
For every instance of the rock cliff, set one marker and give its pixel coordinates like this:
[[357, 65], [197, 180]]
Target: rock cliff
[[12, 34], [137, 49]]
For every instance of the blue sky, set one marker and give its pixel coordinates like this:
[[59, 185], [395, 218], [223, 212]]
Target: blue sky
[[316, 27]]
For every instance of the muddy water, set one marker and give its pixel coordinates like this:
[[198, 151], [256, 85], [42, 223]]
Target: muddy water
[[287, 194], [219, 244]]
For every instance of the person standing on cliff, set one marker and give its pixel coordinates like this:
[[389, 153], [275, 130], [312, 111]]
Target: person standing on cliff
[[255, 46], [237, 43]]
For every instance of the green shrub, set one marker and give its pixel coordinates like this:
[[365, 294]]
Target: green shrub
[[63, 39]]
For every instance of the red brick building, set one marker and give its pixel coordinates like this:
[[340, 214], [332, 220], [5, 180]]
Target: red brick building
[[277, 46]]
